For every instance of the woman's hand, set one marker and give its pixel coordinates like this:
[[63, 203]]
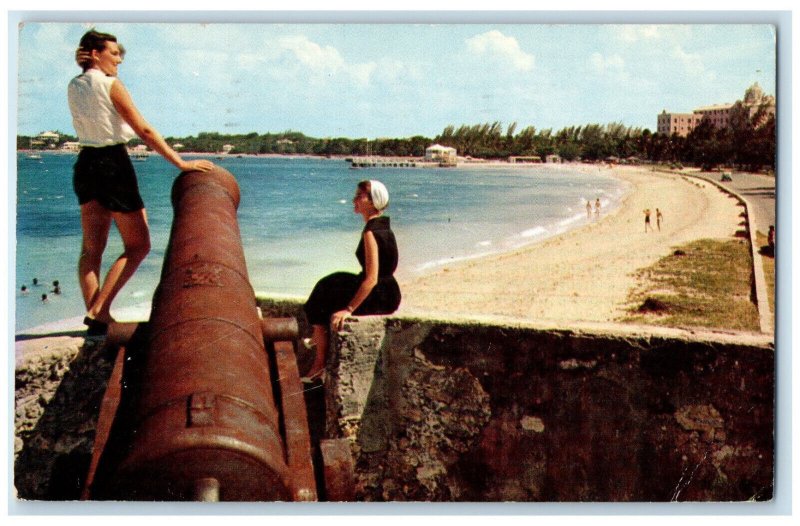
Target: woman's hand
[[82, 56], [201, 165], [337, 319]]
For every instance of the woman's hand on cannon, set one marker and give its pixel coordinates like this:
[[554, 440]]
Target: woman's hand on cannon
[[200, 165]]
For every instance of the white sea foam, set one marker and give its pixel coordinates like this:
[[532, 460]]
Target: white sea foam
[[570, 220], [533, 232], [450, 260]]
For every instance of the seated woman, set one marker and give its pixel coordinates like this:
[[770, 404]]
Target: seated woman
[[373, 291]]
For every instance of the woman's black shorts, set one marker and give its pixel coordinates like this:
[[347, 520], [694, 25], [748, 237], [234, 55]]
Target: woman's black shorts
[[106, 175]]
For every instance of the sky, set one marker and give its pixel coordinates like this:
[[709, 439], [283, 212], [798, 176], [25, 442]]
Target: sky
[[398, 80]]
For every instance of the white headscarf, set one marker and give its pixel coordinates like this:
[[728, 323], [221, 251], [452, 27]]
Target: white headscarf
[[379, 194]]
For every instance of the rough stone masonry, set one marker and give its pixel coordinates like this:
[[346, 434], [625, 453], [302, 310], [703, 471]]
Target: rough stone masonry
[[448, 410]]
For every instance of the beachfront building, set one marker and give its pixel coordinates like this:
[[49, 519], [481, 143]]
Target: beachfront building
[[754, 99], [46, 139], [71, 146], [524, 159], [680, 123], [717, 114], [440, 154]]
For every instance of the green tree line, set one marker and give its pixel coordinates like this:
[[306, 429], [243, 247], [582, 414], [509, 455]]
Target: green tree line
[[747, 143]]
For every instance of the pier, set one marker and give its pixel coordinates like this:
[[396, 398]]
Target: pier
[[387, 162], [371, 162]]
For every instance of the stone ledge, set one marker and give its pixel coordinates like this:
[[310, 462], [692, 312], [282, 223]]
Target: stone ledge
[[551, 413]]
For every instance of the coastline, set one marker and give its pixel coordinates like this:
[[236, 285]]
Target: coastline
[[584, 274], [462, 162], [476, 233]]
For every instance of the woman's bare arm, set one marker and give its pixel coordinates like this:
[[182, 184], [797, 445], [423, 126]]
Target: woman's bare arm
[[130, 114]]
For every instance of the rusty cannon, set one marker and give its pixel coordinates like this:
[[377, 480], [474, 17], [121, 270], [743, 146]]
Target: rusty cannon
[[205, 400]]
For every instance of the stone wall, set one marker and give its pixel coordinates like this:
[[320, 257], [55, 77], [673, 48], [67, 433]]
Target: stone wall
[[473, 412], [448, 410], [464, 411], [59, 384]]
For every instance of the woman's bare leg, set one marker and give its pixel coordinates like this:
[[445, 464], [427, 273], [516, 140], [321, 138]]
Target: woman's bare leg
[[95, 223], [321, 340], [135, 235]]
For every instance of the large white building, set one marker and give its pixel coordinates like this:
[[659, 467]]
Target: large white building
[[717, 114], [46, 139]]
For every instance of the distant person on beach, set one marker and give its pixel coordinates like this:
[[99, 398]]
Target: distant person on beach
[[659, 219], [771, 239], [588, 209], [44, 298], [597, 207], [105, 119], [56, 288], [647, 220], [373, 291], [23, 289], [35, 282]]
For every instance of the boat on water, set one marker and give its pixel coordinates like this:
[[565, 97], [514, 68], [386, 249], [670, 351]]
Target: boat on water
[[139, 155], [32, 154]]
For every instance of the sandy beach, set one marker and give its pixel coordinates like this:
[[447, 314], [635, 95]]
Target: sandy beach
[[587, 273], [584, 274]]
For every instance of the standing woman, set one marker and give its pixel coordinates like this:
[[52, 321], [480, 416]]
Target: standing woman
[[105, 119], [373, 291]]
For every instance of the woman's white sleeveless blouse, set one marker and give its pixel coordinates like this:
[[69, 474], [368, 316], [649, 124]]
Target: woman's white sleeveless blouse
[[94, 116]]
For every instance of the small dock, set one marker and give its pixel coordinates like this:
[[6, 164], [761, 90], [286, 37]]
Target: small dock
[[372, 162]]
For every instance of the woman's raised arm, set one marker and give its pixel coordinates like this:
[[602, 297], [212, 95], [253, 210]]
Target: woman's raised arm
[[128, 111]]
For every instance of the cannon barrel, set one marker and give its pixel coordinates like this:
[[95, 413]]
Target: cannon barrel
[[206, 425]]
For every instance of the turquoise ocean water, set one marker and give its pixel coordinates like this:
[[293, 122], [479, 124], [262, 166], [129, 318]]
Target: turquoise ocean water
[[297, 222]]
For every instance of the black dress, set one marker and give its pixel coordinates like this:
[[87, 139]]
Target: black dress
[[333, 292]]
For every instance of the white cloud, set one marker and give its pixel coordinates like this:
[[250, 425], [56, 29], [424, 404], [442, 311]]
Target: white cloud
[[691, 62], [497, 45], [362, 73], [320, 62], [636, 33], [39, 45], [312, 55], [611, 64], [391, 71]]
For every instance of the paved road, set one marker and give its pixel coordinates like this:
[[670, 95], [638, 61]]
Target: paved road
[[759, 190]]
